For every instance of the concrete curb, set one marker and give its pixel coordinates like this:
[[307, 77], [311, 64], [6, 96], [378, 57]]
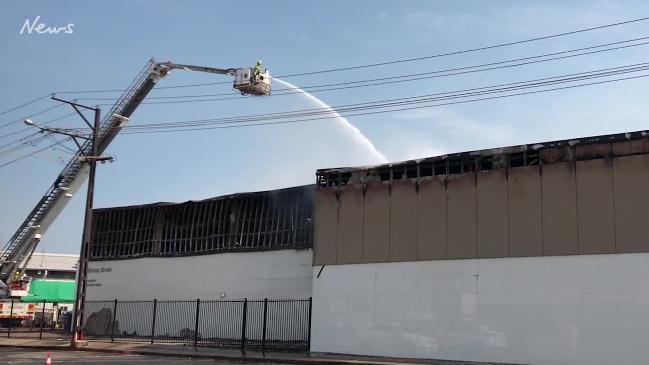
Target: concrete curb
[[249, 359], [198, 355], [48, 348]]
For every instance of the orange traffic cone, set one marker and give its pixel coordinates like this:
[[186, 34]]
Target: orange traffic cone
[[49, 359]]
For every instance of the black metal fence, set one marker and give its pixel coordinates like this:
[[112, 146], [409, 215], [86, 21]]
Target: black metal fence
[[35, 320], [264, 324]]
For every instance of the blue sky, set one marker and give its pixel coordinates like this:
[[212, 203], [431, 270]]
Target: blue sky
[[113, 40]]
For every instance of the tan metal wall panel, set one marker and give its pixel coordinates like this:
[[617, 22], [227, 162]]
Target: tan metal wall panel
[[325, 226], [350, 225], [631, 182], [595, 206], [560, 232], [525, 214], [431, 219], [493, 231], [403, 221], [376, 225], [593, 151], [461, 217], [634, 147]]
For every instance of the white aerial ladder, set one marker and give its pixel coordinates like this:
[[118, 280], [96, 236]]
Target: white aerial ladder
[[18, 250]]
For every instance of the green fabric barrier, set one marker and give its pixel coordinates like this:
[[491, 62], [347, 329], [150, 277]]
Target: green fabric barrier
[[50, 291]]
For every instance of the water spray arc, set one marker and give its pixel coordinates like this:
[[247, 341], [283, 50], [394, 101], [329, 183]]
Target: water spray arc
[[350, 129]]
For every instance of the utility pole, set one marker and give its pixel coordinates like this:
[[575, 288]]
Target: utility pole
[[91, 159]]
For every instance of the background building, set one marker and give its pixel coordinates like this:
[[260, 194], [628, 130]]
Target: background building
[[53, 278], [52, 266], [53, 285]]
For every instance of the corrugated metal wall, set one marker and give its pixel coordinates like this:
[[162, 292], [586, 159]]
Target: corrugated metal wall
[[566, 201]]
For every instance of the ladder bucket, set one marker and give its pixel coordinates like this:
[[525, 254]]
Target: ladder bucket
[[248, 83]]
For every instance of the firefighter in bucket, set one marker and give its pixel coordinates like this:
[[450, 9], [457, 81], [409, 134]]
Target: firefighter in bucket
[[258, 70]]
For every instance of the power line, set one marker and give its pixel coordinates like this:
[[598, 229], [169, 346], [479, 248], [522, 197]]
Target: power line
[[59, 143], [28, 155], [22, 145], [18, 140], [12, 133], [386, 63], [337, 108], [373, 104], [435, 74], [467, 50], [6, 124], [428, 104], [404, 100], [24, 104], [493, 63], [418, 75], [393, 110], [413, 99], [391, 62], [395, 81], [45, 124]]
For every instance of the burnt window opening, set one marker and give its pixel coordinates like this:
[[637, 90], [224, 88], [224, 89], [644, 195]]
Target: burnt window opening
[[486, 163], [532, 158], [517, 159], [469, 165], [398, 172], [426, 169], [343, 178], [322, 180], [136, 228], [384, 173], [333, 180], [461, 165], [520, 159], [455, 167], [411, 170], [440, 167]]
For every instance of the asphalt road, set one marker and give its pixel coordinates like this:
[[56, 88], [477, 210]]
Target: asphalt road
[[28, 356]]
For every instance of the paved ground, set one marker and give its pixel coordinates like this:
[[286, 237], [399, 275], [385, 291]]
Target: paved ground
[[33, 351], [28, 356]]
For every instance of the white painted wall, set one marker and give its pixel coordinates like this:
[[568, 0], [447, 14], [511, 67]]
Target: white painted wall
[[267, 274], [589, 309]]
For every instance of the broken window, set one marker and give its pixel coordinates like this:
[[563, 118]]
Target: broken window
[[425, 169], [440, 167], [486, 163], [411, 170]]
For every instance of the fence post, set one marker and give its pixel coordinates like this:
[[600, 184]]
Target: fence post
[[112, 330], [198, 307], [263, 336], [155, 308], [40, 336], [308, 341], [243, 325], [11, 313]]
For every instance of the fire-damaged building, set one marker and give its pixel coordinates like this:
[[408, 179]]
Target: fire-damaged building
[[536, 253], [251, 245], [528, 254]]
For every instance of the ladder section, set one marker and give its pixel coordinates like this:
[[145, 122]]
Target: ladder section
[[72, 176]]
